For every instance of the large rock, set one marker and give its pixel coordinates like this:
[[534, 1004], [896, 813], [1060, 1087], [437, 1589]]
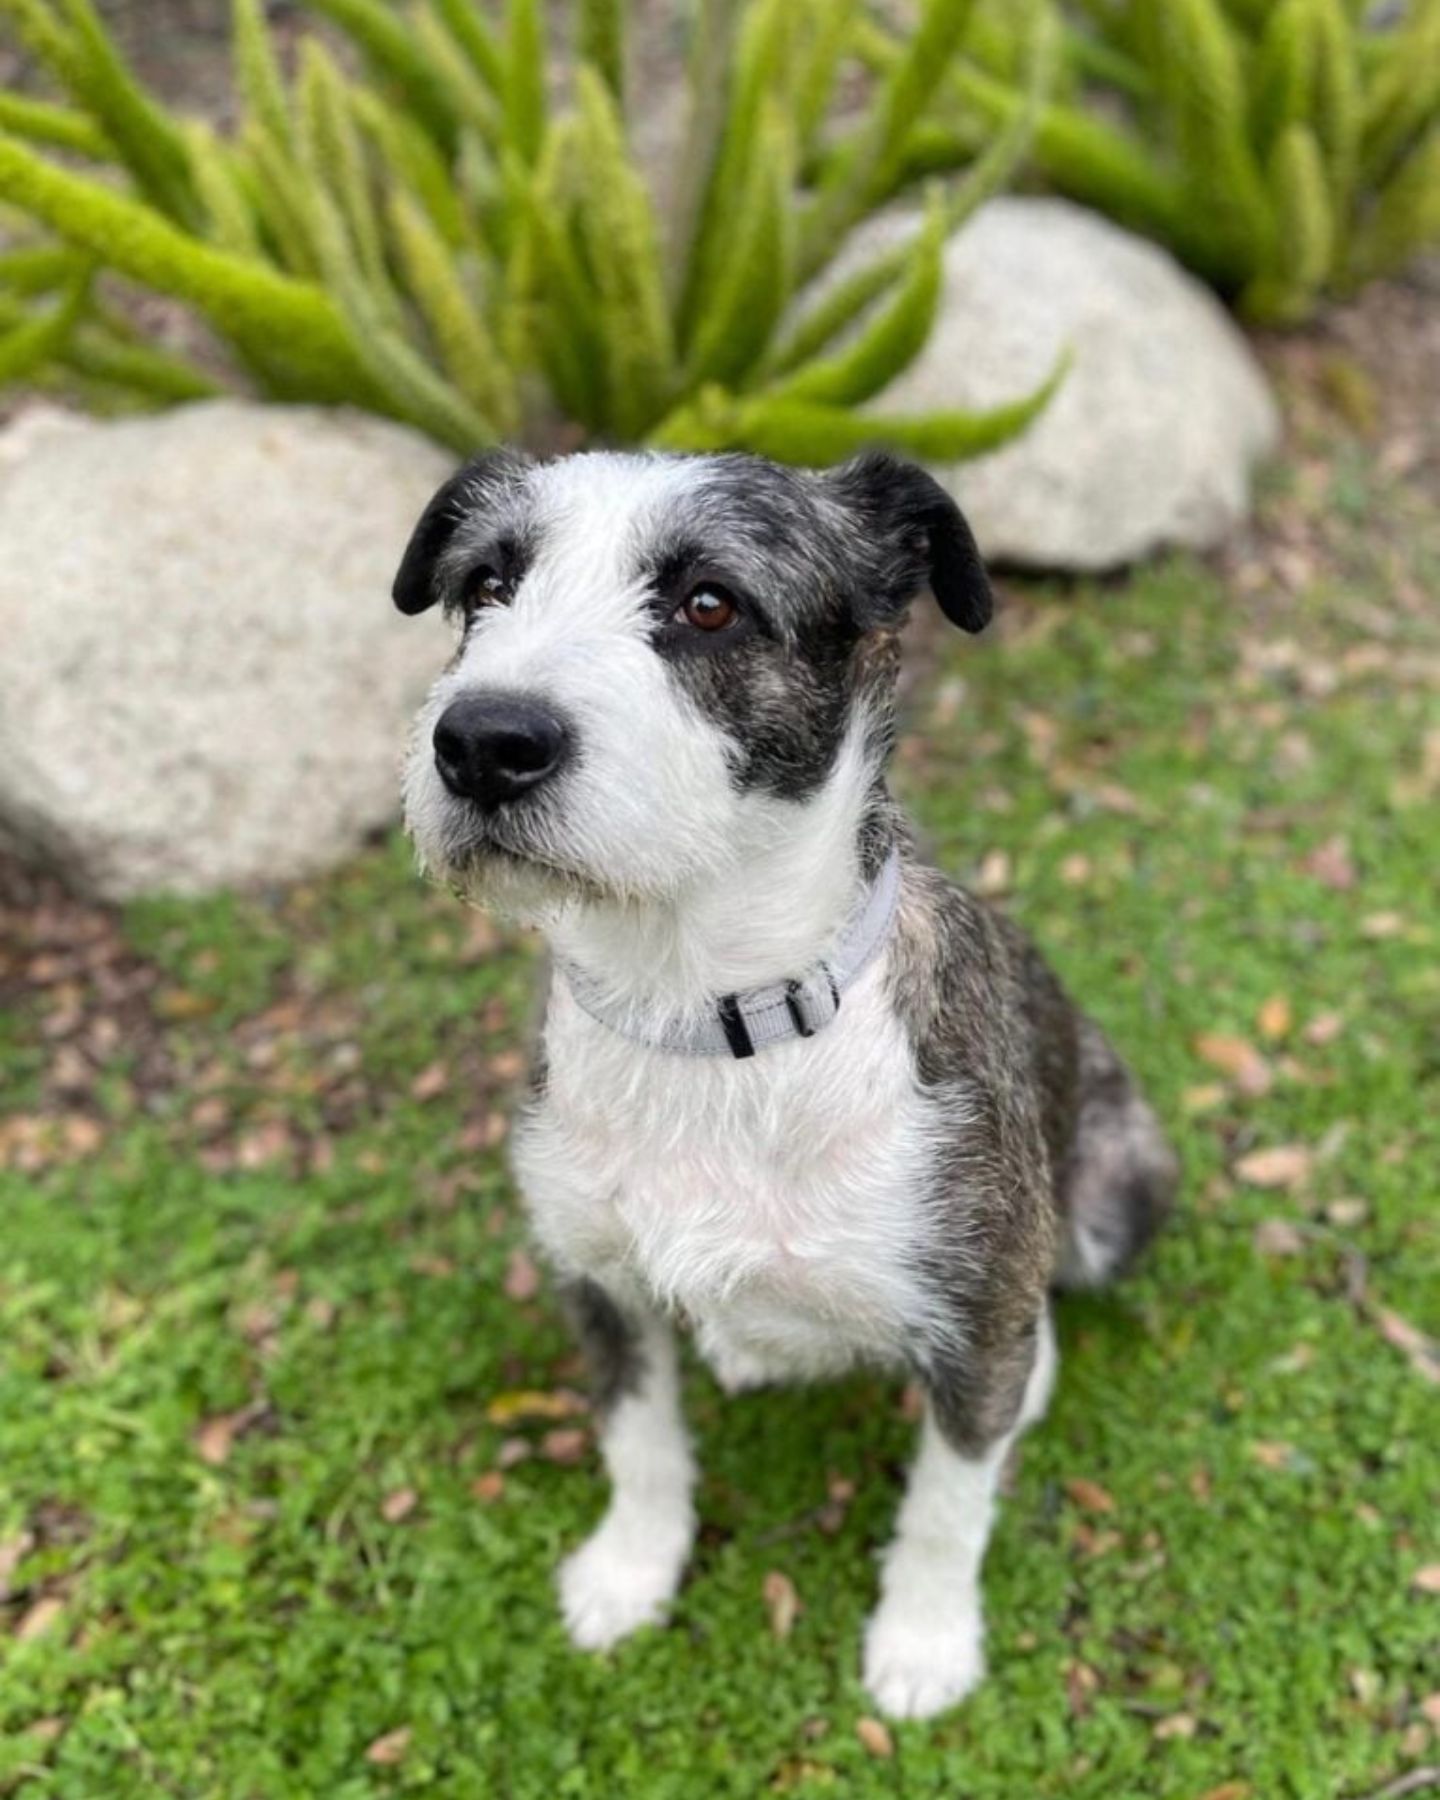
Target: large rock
[[202, 679], [1152, 438]]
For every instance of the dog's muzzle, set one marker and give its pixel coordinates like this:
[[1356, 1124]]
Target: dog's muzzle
[[491, 748]]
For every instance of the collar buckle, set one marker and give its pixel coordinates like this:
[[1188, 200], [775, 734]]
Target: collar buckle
[[808, 1014]]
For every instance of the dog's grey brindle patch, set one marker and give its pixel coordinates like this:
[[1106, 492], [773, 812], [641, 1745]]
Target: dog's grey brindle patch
[[1049, 1136], [610, 1343]]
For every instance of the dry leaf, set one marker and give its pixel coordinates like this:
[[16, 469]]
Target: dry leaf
[[391, 1748], [1430, 1709], [215, 1437], [1282, 1166], [1228, 1790], [781, 1602], [13, 1551], [1330, 864], [1092, 1543], [875, 1737], [994, 874], [1379, 925], [1234, 1057], [399, 1505], [1081, 1682], [1271, 1455], [489, 1486], [527, 1403], [430, 1082], [566, 1445], [1274, 1018], [1278, 1237], [522, 1278], [514, 1450], [1075, 870], [1178, 1725], [1323, 1029], [40, 1618], [426, 1262], [1346, 1212], [1427, 1580], [1090, 1495]]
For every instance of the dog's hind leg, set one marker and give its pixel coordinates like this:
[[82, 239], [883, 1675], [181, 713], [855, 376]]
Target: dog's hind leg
[[626, 1573], [924, 1646], [1118, 1183]]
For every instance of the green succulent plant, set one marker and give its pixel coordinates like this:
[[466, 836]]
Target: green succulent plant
[[436, 216], [1285, 150]]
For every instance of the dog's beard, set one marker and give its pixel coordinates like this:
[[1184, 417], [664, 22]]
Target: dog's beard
[[518, 862]]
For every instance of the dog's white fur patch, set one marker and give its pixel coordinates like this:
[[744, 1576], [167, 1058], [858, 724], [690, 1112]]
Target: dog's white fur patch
[[924, 1646], [626, 1573]]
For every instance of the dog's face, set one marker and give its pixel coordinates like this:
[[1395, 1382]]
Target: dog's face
[[661, 657]]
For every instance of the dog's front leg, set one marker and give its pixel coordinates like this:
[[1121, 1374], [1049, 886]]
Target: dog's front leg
[[626, 1573], [924, 1646]]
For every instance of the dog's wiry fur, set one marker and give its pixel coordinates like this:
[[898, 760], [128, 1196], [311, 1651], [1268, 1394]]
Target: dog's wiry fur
[[903, 1188]]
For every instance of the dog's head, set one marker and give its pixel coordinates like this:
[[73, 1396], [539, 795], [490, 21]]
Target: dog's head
[[661, 657]]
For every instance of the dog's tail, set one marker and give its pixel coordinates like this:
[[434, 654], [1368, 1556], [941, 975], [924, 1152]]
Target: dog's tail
[[1119, 1183]]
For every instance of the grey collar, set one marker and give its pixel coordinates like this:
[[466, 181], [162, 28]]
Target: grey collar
[[740, 1024]]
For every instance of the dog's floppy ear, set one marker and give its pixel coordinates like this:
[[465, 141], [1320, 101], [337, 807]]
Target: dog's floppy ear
[[917, 537], [415, 588]]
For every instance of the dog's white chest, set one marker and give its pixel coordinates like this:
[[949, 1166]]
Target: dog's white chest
[[778, 1203]]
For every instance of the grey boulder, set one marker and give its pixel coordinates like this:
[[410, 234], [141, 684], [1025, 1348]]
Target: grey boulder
[[1151, 440], [202, 680]]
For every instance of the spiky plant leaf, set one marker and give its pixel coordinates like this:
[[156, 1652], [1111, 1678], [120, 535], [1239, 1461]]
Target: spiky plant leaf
[[473, 33], [258, 309], [476, 104], [798, 431], [892, 339], [749, 291], [1406, 218], [403, 146], [1307, 230], [257, 69], [330, 151], [553, 303], [32, 269], [1206, 93], [830, 28], [68, 37], [27, 347], [1403, 95], [1338, 101], [524, 91], [759, 60], [391, 50], [467, 351], [57, 126], [229, 217], [620, 242], [1283, 76], [866, 167], [600, 41]]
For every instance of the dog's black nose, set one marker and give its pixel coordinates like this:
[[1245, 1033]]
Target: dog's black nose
[[495, 747]]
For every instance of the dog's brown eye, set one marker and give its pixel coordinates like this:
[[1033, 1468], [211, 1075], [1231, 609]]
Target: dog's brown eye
[[487, 587], [708, 608]]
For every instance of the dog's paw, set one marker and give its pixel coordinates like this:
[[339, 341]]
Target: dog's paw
[[914, 1668], [611, 1587]]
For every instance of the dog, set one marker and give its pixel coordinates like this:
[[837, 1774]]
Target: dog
[[795, 1089]]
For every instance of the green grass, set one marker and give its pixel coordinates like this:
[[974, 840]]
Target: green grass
[[319, 1245]]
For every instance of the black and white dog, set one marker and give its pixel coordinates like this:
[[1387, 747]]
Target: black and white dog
[[795, 1089]]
